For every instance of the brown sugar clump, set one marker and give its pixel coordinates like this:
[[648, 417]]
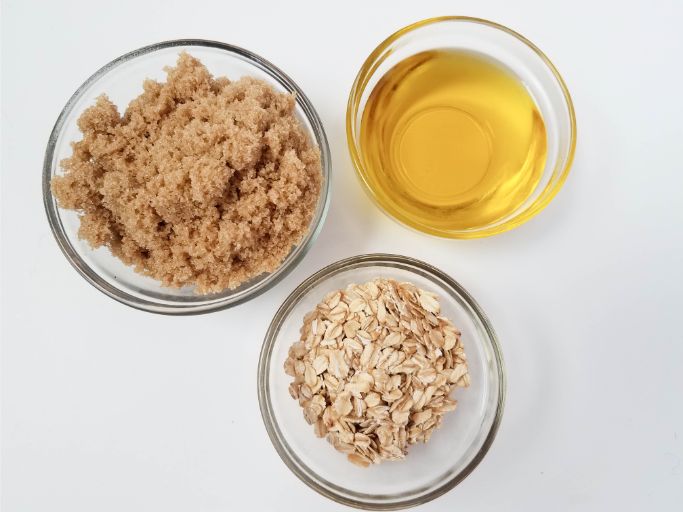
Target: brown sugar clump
[[203, 181]]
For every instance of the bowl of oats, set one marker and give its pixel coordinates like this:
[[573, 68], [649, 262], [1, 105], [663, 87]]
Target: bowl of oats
[[381, 382], [186, 177]]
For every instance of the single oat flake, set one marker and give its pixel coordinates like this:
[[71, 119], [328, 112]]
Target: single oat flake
[[374, 368]]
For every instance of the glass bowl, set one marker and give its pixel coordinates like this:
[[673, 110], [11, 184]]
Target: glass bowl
[[122, 81], [429, 470], [514, 52]]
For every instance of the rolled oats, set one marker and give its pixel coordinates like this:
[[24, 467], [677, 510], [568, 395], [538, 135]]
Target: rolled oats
[[374, 368]]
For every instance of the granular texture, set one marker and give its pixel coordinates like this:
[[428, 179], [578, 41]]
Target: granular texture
[[202, 181]]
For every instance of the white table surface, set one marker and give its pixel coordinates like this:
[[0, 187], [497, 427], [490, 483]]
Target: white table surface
[[105, 408]]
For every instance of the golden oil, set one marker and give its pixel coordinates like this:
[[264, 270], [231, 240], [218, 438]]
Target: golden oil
[[451, 141]]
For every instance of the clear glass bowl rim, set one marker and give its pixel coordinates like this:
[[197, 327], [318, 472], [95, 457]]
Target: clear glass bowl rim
[[216, 303], [272, 428], [367, 70]]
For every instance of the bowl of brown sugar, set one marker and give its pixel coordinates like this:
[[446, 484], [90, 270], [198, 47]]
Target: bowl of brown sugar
[[186, 177]]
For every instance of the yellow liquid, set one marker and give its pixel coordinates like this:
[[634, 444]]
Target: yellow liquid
[[451, 141]]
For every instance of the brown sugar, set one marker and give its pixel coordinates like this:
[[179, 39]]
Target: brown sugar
[[202, 181]]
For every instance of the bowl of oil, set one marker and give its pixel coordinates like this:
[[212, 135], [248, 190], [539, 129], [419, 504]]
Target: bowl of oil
[[460, 127]]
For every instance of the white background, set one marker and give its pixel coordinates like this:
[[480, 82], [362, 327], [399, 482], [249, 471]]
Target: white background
[[105, 408]]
